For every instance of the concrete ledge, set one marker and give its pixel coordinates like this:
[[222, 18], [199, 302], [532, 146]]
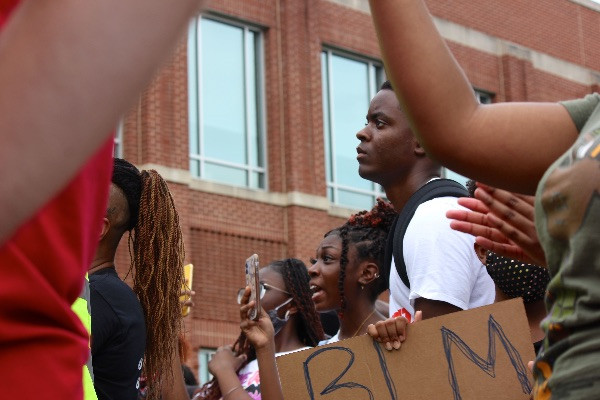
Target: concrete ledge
[[299, 199], [493, 45]]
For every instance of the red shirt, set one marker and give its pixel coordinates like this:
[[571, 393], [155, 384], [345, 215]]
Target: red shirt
[[43, 345]]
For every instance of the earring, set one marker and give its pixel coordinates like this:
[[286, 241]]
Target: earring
[[376, 276], [286, 316], [362, 287]]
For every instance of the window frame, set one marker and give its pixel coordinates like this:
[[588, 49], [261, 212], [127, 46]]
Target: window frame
[[204, 356], [118, 139], [375, 71], [195, 112]]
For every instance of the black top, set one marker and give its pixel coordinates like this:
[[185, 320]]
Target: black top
[[118, 336]]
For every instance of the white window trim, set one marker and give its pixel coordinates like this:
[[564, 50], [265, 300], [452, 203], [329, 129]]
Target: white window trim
[[118, 140]]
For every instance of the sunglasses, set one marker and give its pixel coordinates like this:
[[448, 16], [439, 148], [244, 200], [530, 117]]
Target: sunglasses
[[263, 289]]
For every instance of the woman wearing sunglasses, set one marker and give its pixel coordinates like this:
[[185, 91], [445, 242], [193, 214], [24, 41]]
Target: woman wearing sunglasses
[[286, 297]]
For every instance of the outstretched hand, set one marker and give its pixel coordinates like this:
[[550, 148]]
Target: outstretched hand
[[502, 221], [392, 331], [259, 333]]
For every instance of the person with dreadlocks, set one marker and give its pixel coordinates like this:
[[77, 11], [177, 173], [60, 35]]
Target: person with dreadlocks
[[348, 273], [293, 323], [130, 328]]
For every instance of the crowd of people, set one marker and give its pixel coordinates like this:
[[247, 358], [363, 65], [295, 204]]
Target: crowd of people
[[533, 212]]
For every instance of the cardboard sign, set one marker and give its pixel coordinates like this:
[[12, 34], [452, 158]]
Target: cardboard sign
[[475, 354]]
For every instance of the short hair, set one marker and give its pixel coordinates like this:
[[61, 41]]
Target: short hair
[[387, 85]]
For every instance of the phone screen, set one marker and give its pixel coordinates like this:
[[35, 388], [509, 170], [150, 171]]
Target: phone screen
[[252, 280]]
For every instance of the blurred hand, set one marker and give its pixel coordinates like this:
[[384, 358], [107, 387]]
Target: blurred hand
[[185, 300], [502, 221], [225, 360], [259, 333], [392, 331]]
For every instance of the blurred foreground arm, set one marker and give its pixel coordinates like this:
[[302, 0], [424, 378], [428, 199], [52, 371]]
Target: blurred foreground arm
[[68, 70], [497, 143]]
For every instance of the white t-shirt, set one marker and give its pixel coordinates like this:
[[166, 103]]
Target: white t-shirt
[[441, 263], [250, 378]]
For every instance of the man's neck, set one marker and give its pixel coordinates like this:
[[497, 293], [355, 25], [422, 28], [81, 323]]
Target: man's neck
[[399, 193], [100, 264]]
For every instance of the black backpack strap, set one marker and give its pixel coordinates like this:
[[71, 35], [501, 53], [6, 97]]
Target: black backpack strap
[[432, 190]]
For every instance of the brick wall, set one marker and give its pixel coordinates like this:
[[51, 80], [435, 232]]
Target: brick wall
[[221, 230]]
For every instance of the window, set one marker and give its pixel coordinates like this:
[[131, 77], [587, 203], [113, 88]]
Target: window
[[349, 84], [483, 97], [226, 107], [204, 356], [118, 144]]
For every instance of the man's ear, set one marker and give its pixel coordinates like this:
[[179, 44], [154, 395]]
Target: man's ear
[[369, 272], [419, 150], [105, 228], [481, 253]]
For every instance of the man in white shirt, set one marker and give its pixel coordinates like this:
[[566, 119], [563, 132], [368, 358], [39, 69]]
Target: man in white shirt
[[443, 270]]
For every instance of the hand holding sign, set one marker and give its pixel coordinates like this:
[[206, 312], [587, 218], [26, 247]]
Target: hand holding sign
[[392, 331]]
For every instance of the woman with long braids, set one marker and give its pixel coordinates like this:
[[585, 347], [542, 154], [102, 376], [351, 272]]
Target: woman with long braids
[[139, 327], [346, 275], [295, 325]]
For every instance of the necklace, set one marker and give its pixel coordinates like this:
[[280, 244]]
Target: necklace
[[361, 325]]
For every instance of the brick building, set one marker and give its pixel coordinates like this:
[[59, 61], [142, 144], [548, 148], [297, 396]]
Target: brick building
[[252, 121]]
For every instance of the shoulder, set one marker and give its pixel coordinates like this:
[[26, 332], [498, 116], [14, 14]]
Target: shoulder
[[581, 109], [430, 227], [434, 211]]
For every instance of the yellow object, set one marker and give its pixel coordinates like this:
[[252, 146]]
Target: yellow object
[[188, 274], [81, 307]]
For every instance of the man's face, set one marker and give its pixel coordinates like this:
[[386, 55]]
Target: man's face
[[386, 149]]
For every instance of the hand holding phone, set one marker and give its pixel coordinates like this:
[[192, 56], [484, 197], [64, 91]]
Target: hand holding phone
[[252, 280], [188, 274]]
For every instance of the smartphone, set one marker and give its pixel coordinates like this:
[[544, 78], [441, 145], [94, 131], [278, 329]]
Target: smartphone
[[252, 280], [188, 274]]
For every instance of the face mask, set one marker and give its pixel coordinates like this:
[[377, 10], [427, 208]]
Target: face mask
[[277, 322]]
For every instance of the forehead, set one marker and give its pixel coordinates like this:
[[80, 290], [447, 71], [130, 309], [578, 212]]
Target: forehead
[[385, 101], [331, 241], [268, 275]]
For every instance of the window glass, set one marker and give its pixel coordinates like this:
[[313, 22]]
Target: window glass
[[349, 83], [226, 105]]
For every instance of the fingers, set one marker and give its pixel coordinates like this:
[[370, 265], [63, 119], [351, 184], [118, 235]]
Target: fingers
[[246, 295], [391, 332], [418, 316], [245, 308], [502, 202], [473, 204], [510, 230]]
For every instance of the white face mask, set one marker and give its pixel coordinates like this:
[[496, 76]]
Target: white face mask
[[277, 322]]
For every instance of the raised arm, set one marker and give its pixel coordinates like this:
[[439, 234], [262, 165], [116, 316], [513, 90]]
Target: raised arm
[[68, 70], [262, 337], [507, 145]]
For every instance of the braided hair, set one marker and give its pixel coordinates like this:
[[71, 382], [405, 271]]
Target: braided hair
[[308, 324], [157, 254], [367, 231]]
